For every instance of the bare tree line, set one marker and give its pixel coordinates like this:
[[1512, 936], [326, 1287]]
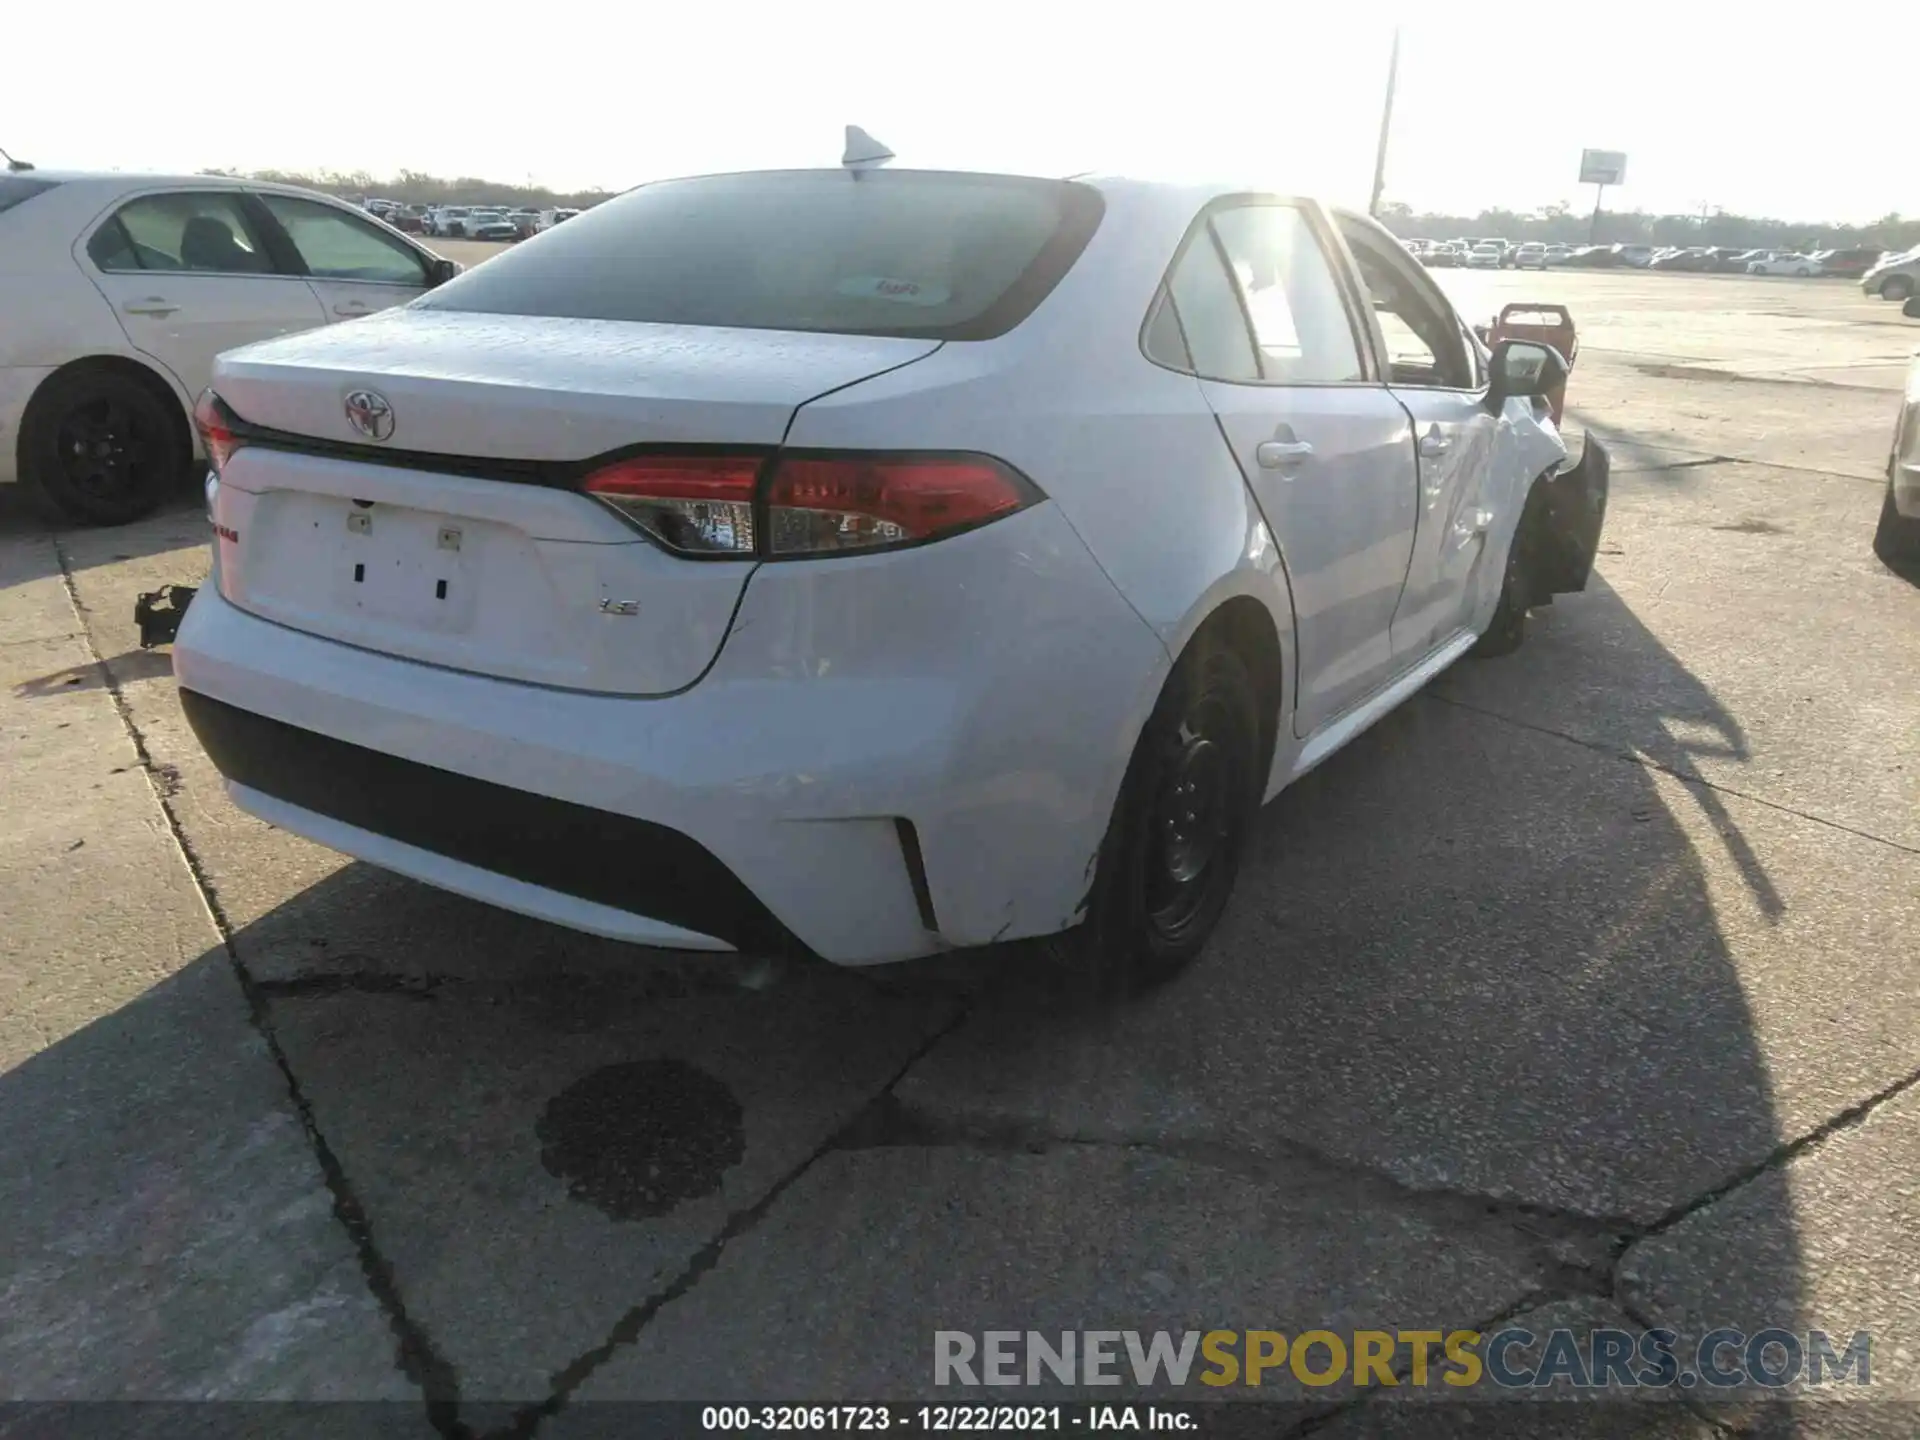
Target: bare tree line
[[411, 187]]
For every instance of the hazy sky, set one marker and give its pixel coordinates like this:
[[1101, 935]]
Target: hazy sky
[[1714, 104]]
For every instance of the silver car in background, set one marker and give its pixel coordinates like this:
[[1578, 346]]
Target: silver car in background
[[1894, 277]]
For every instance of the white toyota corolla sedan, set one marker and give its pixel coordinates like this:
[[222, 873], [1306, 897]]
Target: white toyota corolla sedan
[[865, 562]]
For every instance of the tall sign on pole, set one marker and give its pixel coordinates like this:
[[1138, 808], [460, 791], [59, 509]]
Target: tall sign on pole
[[1386, 124], [1601, 168]]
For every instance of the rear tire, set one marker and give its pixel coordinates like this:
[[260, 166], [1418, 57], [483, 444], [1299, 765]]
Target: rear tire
[[99, 448], [1179, 827], [1896, 539]]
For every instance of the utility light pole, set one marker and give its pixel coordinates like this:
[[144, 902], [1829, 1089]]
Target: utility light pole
[[1386, 124]]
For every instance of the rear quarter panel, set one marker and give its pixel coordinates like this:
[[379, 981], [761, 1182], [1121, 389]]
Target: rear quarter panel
[[50, 312], [1129, 453]]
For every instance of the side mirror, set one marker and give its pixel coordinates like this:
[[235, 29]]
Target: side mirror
[[440, 270], [1523, 368], [1912, 307]]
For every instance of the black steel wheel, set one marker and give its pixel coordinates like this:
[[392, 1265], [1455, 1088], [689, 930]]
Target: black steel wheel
[[1174, 845], [100, 448]]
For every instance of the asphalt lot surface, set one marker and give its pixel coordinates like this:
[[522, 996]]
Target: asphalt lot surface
[[1583, 988]]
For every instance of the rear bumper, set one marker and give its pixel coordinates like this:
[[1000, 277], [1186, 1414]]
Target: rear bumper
[[302, 779], [1904, 480], [986, 690], [1906, 492]]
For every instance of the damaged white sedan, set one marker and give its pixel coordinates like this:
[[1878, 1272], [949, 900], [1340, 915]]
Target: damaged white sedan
[[866, 562]]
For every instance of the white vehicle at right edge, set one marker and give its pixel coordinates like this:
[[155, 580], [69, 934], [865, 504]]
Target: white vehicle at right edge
[[1896, 539], [866, 562]]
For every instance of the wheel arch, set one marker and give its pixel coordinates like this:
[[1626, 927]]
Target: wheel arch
[[1245, 624], [1567, 520], [164, 388]]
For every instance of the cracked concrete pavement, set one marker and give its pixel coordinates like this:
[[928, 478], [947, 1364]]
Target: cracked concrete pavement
[[1581, 991]]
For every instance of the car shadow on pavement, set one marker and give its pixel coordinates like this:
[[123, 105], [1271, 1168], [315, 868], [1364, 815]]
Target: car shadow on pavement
[[1655, 711], [180, 523], [92, 675], [1495, 1019]]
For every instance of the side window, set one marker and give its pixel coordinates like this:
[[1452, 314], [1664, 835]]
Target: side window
[[1300, 323], [111, 248], [1210, 315], [338, 246], [185, 230], [1165, 345], [1425, 345]]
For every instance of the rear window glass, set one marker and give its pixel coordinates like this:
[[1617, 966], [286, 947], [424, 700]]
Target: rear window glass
[[878, 252], [16, 188]]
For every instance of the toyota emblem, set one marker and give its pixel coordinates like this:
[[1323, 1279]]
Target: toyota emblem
[[370, 414]]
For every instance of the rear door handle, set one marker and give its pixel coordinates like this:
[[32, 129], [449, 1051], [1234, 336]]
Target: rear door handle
[[1433, 444], [1280, 454], [352, 309], [155, 305]]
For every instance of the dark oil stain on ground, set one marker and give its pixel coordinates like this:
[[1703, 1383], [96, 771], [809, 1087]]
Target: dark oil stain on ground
[[636, 1139]]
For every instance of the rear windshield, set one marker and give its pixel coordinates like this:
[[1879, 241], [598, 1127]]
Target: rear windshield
[[929, 254], [15, 188]]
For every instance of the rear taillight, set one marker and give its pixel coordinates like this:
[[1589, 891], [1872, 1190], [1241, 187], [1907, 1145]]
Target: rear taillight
[[216, 426], [803, 505], [696, 504], [855, 502]]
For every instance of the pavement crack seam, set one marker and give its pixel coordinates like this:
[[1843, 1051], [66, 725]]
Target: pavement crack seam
[[1779, 1157], [891, 1122], [1647, 762], [1698, 458], [628, 1327], [1694, 464], [1694, 1404], [1531, 1299], [418, 1358], [318, 983], [1572, 1252]]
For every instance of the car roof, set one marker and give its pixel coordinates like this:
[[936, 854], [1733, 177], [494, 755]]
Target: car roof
[[131, 178], [115, 182]]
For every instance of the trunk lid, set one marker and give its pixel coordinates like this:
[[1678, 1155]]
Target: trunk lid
[[406, 548]]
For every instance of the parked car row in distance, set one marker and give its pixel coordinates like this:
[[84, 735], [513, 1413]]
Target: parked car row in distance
[[467, 222], [1493, 254], [1892, 277]]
